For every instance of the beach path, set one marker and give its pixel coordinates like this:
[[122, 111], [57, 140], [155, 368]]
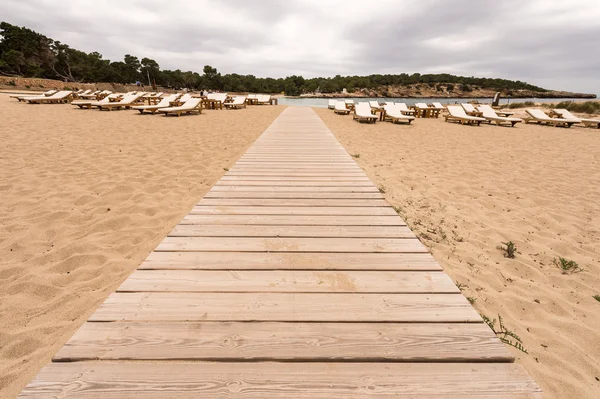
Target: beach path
[[291, 278]]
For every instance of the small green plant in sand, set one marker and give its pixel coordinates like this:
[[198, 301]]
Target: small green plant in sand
[[596, 297], [356, 156], [567, 266], [471, 300], [509, 249], [382, 189], [507, 336], [461, 286], [226, 169]]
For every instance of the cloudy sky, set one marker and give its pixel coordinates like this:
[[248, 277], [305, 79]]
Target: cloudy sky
[[551, 43]]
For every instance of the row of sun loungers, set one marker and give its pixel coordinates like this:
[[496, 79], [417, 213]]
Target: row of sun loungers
[[466, 114]]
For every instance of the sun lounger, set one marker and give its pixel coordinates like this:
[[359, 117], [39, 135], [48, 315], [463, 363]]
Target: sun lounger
[[374, 105], [490, 115], [238, 102], [457, 114], [61, 97], [362, 112], [340, 108], [404, 109], [539, 116], [395, 115], [22, 97], [153, 108], [192, 105], [470, 109], [88, 103], [439, 106], [331, 104], [566, 114], [425, 111], [264, 99], [126, 102]]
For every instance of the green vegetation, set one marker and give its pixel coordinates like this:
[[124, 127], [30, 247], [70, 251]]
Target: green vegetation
[[597, 297], [471, 300], [567, 266], [26, 53], [585, 107], [382, 189], [355, 155], [521, 105], [509, 249], [507, 336]]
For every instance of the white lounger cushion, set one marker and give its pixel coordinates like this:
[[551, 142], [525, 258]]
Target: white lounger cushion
[[164, 102], [459, 113], [468, 107], [489, 113], [540, 115], [395, 112], [188, 106], [340, 106], [363, 110]]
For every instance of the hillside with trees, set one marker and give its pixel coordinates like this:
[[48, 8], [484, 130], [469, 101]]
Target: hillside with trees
[[26, 53]]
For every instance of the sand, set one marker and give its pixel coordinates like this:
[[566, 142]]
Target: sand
[[85, 196], [465, 190]]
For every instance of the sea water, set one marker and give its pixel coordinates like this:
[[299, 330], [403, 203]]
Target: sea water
[[323, 102]]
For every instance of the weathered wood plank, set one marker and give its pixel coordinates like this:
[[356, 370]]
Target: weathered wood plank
[[316, 202], [289, 281], [288, 261], [300, 220], [194, 230], [309, 184], [277, 179], [291, 195], [296, 244], [409, 342], [110, 380], [293, 210], [186, 306], [296, 189]]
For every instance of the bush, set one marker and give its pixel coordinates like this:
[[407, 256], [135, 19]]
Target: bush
[[521, 105], [450, 88], [11, 83], [586, 107]]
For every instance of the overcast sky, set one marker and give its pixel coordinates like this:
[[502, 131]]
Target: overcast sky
[[551, 43]]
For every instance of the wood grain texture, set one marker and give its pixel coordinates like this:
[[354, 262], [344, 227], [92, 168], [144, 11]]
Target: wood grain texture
[[410, 342], [110, 380], [288, 281], [299, 220], [291, 195], [295, 244], [316, 202], [288, 261], [293, 210], [198, 230], [184, 306]]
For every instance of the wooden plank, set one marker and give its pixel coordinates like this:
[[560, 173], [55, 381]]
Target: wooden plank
[[292, 173], [283, 244], [308, 184], [194, 230], [300, 220], [288, 281], [296, 178], [199, 380], [292, 202], [196, 306], [409, 342], [293, 210], [297, 189], [288, 261], [291, 195]]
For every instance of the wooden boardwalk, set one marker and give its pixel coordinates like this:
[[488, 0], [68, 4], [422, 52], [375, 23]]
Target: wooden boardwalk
[[291, 278]]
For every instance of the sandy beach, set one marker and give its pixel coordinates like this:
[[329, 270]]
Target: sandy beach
[[86, 195], [465, 190]]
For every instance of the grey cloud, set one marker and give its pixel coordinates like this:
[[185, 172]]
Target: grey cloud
[[552, 44]]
